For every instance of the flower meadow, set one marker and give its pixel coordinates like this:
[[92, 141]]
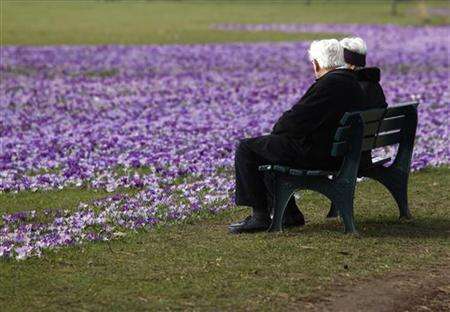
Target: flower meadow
[[165, 120]]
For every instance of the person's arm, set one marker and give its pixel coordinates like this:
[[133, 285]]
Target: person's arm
[[383, 103], [308, 114]]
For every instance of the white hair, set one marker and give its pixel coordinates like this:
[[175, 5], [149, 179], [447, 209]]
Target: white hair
[[328, 53], [354, 44]]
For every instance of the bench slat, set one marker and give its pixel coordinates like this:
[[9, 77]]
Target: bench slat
[[319, 173], [296, 172], [367, 116], [371, 128], [283, 169], [378, 161], [400, 109], [381, 140], [372, 115], [376, 114], [388, 124], [392, 123]]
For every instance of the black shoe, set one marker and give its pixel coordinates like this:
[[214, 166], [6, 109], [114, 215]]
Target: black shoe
[[249, 225], [292, 220], [239, 223]]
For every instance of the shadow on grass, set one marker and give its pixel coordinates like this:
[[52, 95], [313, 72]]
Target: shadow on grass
[[432, 227]]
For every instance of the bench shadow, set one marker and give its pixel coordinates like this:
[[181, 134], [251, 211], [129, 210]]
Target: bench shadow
[[414, 228]]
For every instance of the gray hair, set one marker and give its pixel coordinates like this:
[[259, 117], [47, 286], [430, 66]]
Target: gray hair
[[328, 53]]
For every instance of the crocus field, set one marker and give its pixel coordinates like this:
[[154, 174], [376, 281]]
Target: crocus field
[[165, 120]]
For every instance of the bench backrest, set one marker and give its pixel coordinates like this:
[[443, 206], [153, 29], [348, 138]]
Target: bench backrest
[[380, 127]]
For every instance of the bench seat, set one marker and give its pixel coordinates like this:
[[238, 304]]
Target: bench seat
[[379, 161]]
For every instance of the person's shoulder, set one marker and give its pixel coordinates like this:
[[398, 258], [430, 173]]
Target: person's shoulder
[[342, 79], [370, 74], [339, 76]]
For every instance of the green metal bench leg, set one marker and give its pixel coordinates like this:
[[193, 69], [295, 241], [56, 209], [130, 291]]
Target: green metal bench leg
[[396, 181], [333, 213], [346, 213], [282, 194], [398, 187], [402, 202]]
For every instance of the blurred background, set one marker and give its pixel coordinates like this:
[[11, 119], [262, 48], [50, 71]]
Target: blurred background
[[48, 22]]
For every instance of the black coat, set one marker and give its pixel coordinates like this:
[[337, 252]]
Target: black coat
[[369, 80], [309, 126]]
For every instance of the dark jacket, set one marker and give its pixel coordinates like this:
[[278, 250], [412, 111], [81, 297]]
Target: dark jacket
[[369, 80], [311, 123]]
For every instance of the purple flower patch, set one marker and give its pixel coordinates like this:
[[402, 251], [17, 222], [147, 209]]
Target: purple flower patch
[[165, 119]]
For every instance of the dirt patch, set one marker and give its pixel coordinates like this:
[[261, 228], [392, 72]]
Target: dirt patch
[[425, 290]]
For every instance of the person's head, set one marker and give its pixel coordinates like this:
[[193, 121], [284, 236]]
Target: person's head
[[326, 55], [354, 50]]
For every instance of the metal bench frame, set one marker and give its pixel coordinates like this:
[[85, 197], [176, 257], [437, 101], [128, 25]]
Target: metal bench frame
[[358, 132]]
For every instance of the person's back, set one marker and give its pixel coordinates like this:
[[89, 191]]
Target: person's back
[[369, 79], [312, 122], [355, 51]]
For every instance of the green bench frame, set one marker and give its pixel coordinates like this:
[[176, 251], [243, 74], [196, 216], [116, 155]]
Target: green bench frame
[[358, 132]]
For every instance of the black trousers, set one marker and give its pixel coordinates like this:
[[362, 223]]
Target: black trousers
[[253, 187]]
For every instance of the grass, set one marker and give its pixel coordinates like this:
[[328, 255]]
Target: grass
[[197, 265], [66, 199], [47, 22]]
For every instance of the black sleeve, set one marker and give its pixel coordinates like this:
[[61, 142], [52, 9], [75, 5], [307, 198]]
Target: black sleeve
[[381, 98], [374, 95], [308, 114]]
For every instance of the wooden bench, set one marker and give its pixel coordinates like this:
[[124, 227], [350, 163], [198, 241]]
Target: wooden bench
[[358, 132]]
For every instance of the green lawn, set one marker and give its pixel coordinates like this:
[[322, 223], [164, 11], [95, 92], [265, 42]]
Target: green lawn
[[197, 265], [141, 22]]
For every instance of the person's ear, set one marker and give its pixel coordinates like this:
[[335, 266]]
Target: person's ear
[[316, 66]]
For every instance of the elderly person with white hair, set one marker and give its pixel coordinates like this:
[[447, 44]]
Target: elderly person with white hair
[[302, 136], [355, 51]]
